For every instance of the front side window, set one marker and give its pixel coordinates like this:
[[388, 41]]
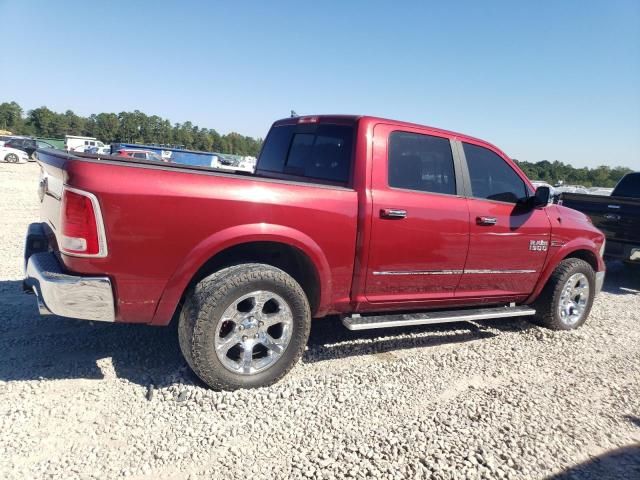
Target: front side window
[[491, 177], [421, 162]]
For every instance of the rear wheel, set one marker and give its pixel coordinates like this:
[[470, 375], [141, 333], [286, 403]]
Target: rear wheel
[[244, 326], [11, 158], [566, 300]]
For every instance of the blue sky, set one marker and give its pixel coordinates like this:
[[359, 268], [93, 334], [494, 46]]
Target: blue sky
[[542, 80]]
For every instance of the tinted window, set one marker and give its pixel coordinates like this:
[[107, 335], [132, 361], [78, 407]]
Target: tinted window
[[421, 162], [320, 152], [140, 155], [491, 177], [629, 186]]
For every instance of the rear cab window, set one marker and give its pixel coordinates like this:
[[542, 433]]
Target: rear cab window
[[629, 186], [310, 152]]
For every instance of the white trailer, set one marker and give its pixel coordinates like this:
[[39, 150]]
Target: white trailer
[[74, 143]]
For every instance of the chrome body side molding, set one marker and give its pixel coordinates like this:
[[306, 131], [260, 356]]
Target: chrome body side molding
[[450, 272]]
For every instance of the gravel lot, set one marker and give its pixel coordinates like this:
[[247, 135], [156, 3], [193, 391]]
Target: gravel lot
[[499, 399]]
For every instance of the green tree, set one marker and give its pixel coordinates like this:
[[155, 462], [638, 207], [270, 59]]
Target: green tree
[[11, 117]]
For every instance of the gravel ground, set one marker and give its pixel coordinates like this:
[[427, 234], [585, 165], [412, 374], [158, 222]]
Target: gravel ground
[[500, 399]]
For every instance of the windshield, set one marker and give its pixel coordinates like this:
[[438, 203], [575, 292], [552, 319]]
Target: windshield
[[629, 186]]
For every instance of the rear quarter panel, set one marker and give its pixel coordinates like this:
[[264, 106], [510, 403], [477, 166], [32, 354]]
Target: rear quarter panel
[[163, 224]]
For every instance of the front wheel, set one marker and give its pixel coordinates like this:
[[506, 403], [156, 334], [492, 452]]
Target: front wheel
[[566, 300], [245, 326], [11, 158]]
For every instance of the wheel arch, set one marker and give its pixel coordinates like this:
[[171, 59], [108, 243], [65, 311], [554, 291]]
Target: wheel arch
[[578, 248], [275, 245]]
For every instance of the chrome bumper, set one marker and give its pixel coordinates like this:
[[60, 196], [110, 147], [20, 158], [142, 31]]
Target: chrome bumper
[[599, 281], [86, 298]]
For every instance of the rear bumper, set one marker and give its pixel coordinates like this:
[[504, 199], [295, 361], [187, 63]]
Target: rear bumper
[[86, 298]]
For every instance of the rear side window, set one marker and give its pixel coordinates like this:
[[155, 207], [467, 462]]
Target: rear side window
[[421, 162], [321, 152], [491, 177], [629, 186]]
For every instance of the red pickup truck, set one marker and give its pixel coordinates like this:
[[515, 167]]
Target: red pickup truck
[[382, 222]]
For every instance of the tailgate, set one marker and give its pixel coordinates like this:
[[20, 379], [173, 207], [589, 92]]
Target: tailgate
[[52, 178]]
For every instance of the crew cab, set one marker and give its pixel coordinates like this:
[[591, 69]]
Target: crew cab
[[617, 215], [381, 222]]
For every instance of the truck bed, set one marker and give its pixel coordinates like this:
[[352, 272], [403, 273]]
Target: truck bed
[[180, 211]]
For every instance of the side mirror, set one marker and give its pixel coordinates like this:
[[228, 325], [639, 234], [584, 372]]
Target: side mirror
[[541, 197]]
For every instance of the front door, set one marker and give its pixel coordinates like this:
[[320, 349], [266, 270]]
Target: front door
[[420, 224], [508, 241]]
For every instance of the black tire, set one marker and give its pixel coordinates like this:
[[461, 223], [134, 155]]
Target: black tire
[[548, 303], [11, 158], [202, 313]]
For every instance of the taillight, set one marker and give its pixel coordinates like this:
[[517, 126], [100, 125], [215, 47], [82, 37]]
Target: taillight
[[81, 224]]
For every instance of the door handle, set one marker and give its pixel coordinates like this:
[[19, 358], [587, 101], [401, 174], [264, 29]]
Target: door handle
[[393, 213], [486, 220]]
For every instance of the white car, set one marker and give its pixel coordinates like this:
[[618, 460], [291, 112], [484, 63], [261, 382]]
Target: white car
[[13, 155]]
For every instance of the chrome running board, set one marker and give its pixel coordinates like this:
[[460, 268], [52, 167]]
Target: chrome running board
[[358, 322]]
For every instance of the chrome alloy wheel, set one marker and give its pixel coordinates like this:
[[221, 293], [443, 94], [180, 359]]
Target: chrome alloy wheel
[[254, 332], [574, 299]]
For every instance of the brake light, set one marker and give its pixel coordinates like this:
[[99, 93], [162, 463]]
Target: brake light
[[81, 230], [308, 120]]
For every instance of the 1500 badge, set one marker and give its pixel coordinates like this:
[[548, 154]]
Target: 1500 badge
[[538, 245]]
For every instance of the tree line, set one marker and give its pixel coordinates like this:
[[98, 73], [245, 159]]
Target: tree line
[[137, 127], [123, 127], [554, 172]]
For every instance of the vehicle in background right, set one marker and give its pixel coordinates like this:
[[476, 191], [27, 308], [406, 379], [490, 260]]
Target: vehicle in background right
[[617, 215]]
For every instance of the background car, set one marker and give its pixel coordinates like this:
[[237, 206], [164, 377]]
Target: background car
[[141, 154], [5, 138], [105, 150], [28, 145], [13, 155]]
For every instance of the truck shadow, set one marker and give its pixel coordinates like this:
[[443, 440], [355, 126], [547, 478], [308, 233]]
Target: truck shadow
[[329, 339], [48, 347], [613, 465]]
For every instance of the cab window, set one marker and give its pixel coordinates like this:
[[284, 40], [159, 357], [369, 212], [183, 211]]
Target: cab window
[[421, 162], [491, 177]]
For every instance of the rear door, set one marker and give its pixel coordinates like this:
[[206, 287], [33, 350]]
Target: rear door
[[508, 242], [420, 223]]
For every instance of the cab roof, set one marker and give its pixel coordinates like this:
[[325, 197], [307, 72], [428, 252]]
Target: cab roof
[[367, 119]]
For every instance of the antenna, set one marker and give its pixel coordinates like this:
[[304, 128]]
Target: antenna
[[294, 114]]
